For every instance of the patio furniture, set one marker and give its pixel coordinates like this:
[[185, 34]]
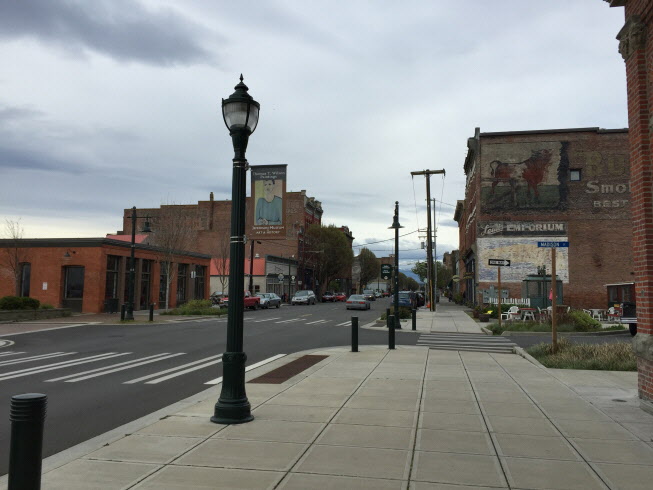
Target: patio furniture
[[543, 314], [614, 314], [528, 314], [512, 313], [597, 313]]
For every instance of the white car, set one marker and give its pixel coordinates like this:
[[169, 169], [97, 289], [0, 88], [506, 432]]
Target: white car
[[304, 297]]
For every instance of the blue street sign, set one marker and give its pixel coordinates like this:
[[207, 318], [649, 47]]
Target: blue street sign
[[553, 244]]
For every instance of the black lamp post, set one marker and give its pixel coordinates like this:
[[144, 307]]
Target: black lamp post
[[240, 113], [396, 226], [129, 310]]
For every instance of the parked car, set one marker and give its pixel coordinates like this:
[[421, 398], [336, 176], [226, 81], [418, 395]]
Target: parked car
[[405, 299], [304, 297], [269, 300], [328, 296], [357, 302], [340, 297], [420, 299], [218, 299], [369, 295], [377, 294]]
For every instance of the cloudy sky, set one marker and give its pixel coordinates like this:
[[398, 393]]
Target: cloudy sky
[[106, 104]]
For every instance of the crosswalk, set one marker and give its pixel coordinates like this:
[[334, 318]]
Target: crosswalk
[[467, 342], [43, 366]]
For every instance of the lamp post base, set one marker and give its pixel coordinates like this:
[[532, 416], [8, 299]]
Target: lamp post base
[[233, 407]]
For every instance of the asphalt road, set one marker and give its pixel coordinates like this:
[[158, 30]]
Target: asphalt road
[[99, 377]]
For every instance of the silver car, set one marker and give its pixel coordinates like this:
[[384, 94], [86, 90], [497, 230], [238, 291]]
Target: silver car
[[304, 297], [357, 302], [268, 300]]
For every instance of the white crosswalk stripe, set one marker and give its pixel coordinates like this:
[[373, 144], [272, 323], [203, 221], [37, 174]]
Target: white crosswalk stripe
[[60, 365], [212, 359], [10, 353], [36, 358], [290, 321], [467, 342], [343, 324], [249, 368], [121, 366], [318, 321]]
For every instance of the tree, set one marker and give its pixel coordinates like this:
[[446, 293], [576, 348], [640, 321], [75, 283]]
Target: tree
[[330, 252], [220, 257], [369, 264], [14, 256], [420, 269], [172, 233], [444, 275]]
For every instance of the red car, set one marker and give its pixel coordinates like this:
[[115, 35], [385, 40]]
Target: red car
[[339, 297]]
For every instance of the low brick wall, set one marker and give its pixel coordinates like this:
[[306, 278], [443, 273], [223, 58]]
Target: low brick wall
[[21, 315]]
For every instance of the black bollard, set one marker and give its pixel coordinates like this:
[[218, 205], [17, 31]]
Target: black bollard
[[122, 313], [152, 313], [27, 416], [391, 333], [387, 317], [414, 319], [354, 334]]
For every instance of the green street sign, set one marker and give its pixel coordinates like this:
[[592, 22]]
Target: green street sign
[[386, 271]]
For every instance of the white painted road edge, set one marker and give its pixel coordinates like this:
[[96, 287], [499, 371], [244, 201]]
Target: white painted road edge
[[249, 368]]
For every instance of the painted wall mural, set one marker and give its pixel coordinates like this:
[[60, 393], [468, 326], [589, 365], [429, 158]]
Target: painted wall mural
[[524, 176], [524, 255]]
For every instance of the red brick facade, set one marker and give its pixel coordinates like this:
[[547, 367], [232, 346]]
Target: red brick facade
[[50, 259], [636, 47], [564, 185]]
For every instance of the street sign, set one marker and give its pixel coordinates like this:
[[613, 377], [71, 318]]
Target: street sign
[[553, 244], [386, 271], [280, 277], [292, 278], [499, 262]]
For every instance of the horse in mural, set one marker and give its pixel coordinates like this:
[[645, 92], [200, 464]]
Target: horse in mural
[[532, 171]]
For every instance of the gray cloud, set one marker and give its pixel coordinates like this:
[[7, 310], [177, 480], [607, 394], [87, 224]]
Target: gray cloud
[[124, 31], [27, 159]]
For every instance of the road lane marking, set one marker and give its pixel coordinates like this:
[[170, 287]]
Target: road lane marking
[[290, 321], [104, 368], [36, 358], [131, 381], [122, 368], [10, 353], [318, 321], [249, 368], [61, 365], [185, 371], [266, 320], [343, 324]]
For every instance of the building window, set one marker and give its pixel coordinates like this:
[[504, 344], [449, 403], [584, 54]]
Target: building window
[[163, 285], [146, 271], [74, 283], [200, 273], [111, 284], [25, 273], [182, 276], [574, 174]]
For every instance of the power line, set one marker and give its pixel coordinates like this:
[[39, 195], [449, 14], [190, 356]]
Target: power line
[[381, 241]]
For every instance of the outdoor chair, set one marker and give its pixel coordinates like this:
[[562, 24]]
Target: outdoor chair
[[543, 314], [511, 314], [614, 314]]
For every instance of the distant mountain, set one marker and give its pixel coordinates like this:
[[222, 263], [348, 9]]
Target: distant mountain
[[410, 273]]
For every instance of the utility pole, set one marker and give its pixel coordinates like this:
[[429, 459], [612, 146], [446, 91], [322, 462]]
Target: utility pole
[[429, 240]]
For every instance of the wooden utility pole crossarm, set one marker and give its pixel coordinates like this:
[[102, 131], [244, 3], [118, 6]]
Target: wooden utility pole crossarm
[[429, 240]]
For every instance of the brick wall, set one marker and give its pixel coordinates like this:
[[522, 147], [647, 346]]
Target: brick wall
[[636, 47]]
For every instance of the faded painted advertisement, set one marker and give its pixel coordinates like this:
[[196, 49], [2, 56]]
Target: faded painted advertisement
[[524, 255], [524, 175], [522, 228], [269, 205]]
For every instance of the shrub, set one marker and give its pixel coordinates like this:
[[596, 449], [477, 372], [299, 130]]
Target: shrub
[[196, 307], [46, 306], [404, 313], [19, 303], [581, 321], [617, 356]]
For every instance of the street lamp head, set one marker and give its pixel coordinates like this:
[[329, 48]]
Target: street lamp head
[[146, 227], [395, 224], [240, 111]]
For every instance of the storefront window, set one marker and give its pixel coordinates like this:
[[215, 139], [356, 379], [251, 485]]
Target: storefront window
[[182, 277]]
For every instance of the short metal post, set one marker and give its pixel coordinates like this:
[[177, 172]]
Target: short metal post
[[27, 416], [391, 333], [122, 312], [414, 319], [152, 313], [387, 317], [354, 334]]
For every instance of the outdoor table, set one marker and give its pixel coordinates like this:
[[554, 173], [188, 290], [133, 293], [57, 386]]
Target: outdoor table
[[528, 313], [598, 313]]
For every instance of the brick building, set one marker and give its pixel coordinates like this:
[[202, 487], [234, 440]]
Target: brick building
[[636, 48], [90, 275], [210, 222], [528, 186]]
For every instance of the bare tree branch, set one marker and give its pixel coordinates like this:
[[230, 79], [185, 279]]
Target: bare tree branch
[[13, 256]]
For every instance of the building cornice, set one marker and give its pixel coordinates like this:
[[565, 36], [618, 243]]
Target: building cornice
[[632, 37]]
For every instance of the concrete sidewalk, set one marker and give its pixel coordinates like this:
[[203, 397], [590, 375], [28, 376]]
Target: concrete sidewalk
[[407, 418]]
